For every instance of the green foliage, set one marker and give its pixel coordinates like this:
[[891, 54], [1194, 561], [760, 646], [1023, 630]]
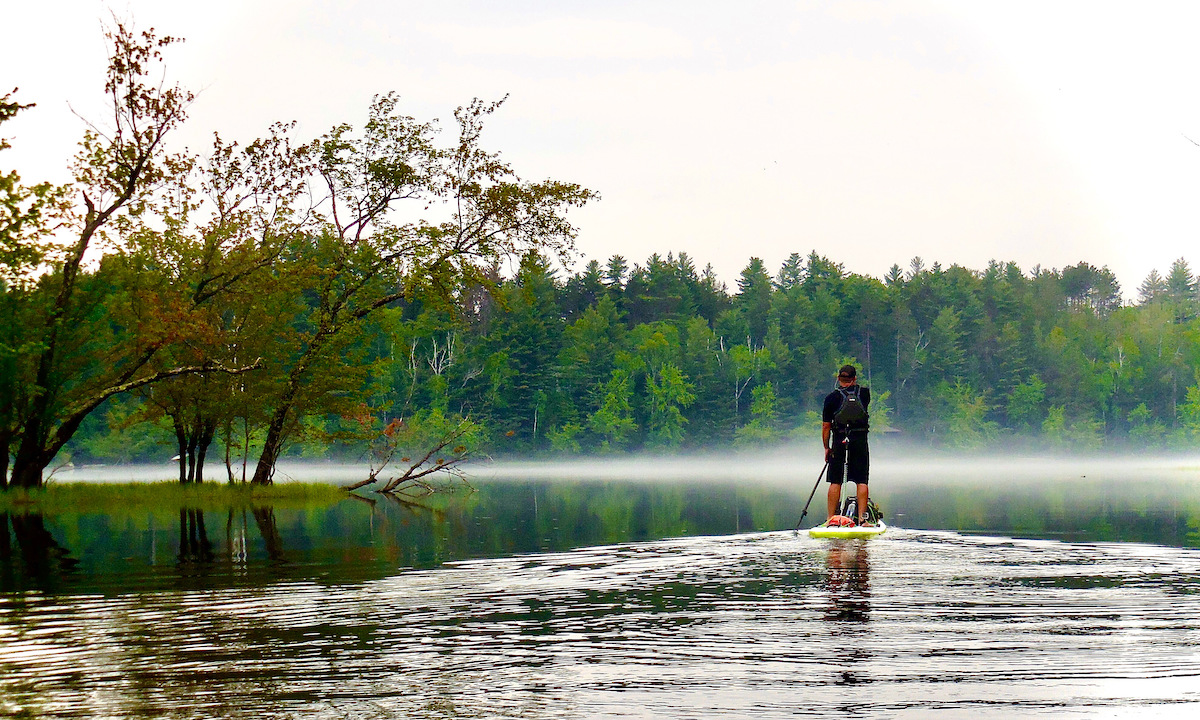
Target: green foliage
[[613, 423], [763, 406], [669, 393], [565, 439], [1025, 408], [881, 412], [1054, 427], [1082, 432], [421, 431], [1144, 430], [963, 415], [1189, 415], [125, 435], [548, 364], [24, 212], [763, 427]]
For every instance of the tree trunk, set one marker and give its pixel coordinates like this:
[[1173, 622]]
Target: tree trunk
[[229, 450], [31, 458], [191, 456], [26, 475], [208, 430], [28, 463], [40, 444], [273, 444], [5, 439], [5, 541], [181, 442]]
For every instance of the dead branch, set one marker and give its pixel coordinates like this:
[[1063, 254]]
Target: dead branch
[[423, 467]]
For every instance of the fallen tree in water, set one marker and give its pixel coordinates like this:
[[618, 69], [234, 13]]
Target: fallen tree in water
[[438, 444]]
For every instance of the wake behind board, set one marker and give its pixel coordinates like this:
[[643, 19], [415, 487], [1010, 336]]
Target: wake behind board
[[848, 533]]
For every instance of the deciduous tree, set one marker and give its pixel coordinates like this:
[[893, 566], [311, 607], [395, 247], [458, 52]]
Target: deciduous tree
[[78, 359]]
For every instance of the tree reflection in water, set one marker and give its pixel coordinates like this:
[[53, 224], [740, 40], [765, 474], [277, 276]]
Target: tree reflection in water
[[37, 560], [194, 546], [264, 517]]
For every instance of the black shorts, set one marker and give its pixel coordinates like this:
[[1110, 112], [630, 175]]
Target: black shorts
[[860, 459]]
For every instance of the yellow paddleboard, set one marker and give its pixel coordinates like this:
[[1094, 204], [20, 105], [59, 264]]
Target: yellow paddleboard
[[851, 532]]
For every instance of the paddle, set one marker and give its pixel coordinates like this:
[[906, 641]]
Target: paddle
[[810, 496]]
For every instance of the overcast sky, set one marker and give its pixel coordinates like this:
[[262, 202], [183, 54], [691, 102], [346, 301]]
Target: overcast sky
[[1041, 132]]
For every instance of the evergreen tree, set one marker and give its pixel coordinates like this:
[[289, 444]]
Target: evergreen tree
[[791, 274], [612, 423], [1152, 289], [702, 361], [614, 272], [588, 354], [753, 300], [894, 276], [525, 343], [583, 290], [1181, 291]]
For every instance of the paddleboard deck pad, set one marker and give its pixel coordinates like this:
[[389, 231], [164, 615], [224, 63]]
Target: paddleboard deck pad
[[850, 532]]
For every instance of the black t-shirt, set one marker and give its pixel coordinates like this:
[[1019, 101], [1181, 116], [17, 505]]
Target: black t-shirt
[[833, 401]]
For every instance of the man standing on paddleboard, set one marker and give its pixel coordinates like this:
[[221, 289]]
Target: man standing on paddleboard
[[844, 428]]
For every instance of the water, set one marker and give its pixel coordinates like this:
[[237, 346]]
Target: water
[[608, 599]]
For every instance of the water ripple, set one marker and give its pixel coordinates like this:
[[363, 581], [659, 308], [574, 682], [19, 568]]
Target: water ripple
[[916, 624]]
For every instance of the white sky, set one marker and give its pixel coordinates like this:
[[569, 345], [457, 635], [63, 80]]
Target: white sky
[[1041, 132]]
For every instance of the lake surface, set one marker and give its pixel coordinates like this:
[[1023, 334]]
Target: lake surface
[[1027, 595]]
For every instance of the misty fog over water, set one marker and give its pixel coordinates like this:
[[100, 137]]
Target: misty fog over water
[[888, 466], [1085, 498]]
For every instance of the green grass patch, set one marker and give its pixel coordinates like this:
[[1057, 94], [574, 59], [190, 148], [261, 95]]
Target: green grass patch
[[120, 498]]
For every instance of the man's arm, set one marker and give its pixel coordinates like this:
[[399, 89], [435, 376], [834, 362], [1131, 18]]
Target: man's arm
[[826, 431]]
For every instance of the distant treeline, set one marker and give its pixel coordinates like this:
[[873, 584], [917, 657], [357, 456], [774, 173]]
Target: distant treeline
[[661, 355]]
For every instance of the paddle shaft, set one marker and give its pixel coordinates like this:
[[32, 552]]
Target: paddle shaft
[[811, 495]]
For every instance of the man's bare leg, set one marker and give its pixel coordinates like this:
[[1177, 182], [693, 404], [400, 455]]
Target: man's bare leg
[[833, 497], [863, 495]]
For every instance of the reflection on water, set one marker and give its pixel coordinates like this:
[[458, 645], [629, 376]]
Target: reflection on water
[[194, 547], [849, 608], [1163, 510], [362, 538], [849, 572], [581, 600], [764, 625], [30, 553]]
